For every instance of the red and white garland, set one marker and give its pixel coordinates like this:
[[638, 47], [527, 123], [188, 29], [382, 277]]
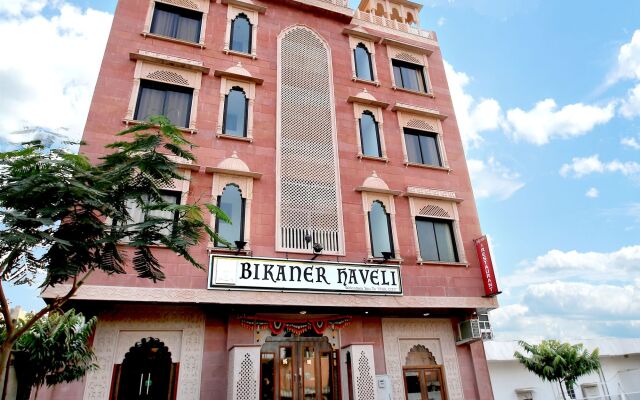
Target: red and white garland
[[295, 326]]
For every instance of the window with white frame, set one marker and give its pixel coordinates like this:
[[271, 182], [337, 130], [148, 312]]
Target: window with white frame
[[436, 227], [379, 208], [182, 21], [524, 394], [409, 69], [363, 63], [242, 27], [237, 96], [230, 201], [367, 112], [232, 190], [160, 89], [422, 138], [369, 135], [235, 113], [158, 98], [240, 39], [174, 193], [363, 56], [380, 232]]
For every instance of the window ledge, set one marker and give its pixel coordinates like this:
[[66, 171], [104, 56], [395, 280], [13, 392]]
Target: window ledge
[[427, 166], [172, 40], [225, 250], [240, 54], [232, 137], [380, 260], [426, 94], [358, 80], [373, 158], [443, 263], [128, 122]]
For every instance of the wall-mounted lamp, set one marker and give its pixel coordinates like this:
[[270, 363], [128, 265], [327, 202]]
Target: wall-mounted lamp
[[317, 249], [240, 245], [386, 255]]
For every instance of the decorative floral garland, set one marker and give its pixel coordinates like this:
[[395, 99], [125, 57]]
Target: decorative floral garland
[[295, 326]]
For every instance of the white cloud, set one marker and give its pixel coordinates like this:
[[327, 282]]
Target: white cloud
[[595, 267], [473, 116], [630, 107], [571, 294], [630, 142], [49, 78], [492, 179], [16, 8], [577, 300], [581, 166], [592, 193], [441, 21], [545, 121], [628, 66]]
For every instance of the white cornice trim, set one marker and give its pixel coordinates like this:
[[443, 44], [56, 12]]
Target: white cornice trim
[[204, 296]]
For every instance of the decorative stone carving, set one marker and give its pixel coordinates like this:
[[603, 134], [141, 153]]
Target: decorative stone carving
[[121, 324], [401, 335], [244, 373]]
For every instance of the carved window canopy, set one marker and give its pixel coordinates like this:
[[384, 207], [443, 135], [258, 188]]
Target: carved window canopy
[[247, 4], [407, 46], [162, 59], [417, 110]]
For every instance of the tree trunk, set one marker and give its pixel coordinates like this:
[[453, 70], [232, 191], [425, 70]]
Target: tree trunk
[[562, 391], [5, 354]]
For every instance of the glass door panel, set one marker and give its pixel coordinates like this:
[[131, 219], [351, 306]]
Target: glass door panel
[[325, 376], [434, 384], [309, 373], [286, 373], [268, 375], [412, 385]]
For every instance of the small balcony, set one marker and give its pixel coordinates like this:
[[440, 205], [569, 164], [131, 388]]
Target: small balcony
[[392, 24]]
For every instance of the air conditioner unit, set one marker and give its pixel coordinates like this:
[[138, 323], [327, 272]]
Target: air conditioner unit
[[468, 331]]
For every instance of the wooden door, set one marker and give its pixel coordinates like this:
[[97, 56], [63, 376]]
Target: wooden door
[[298, 368], [424, 383]]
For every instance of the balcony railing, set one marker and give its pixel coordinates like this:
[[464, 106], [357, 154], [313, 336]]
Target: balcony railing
[[390, 23], [339, 3]]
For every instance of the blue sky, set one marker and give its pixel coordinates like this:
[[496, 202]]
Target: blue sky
[[544, 95]]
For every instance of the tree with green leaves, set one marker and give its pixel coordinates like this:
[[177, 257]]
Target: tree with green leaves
[[554, 361], [67, 218], [56, 349]]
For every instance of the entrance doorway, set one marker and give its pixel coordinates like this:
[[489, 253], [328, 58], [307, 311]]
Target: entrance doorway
[[147, 373], [298, 368]]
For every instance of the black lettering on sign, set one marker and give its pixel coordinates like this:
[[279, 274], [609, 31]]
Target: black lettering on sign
[[342, 274], [353, 279], [364, 274], [297, 270], [268, 271], [280, 276], [320, 273], [246, 271], [374, 277], [308, 274]]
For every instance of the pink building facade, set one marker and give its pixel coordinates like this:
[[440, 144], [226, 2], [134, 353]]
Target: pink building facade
[[329, 136]]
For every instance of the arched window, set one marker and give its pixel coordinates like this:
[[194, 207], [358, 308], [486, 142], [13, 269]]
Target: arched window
[[235, 113], [232, 203], [241, 34], [369, 135], [362, 57], [380, 230]]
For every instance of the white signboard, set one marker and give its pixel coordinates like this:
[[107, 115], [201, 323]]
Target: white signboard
[[248, 273]]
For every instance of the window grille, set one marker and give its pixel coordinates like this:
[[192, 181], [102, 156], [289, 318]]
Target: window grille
[[308, 187]]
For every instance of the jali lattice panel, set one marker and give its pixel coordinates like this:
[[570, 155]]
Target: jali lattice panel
[[308, 187]]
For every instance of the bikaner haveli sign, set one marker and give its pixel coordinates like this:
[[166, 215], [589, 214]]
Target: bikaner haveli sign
[[248, 273]]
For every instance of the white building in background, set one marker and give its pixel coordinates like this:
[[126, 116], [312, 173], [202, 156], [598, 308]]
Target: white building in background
[[619, 378]]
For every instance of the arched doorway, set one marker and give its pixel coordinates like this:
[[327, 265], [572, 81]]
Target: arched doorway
[[298, 368], [423, 377], [147, 373]]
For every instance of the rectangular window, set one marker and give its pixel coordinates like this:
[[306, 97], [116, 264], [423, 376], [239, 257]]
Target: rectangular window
[[436, 240], [409, 76], [138, 215], [422, 147], [174, 102], [176, 22]]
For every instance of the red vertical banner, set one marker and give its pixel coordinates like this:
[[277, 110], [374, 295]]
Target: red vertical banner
[[486, 265]]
